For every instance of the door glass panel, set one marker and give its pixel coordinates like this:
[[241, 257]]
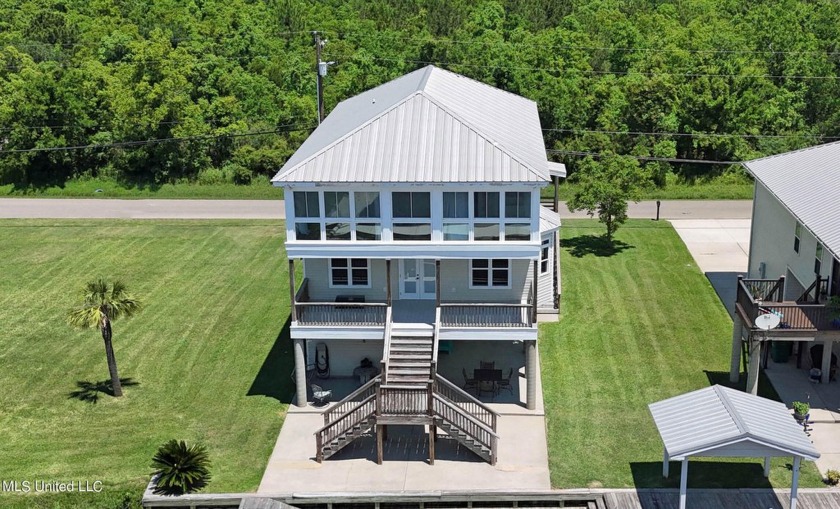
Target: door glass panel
[[410, 286]]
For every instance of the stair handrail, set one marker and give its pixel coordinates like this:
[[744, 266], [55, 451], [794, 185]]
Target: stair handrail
[[386, 344], [469, 416], [491, 415], [327, 434], [467, 425], [435, 341], [337, 407]]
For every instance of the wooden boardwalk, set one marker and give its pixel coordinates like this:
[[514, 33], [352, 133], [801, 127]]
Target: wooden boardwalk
[[721, 499]]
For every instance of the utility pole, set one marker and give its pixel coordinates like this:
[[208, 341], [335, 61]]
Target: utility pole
[[318, 83]]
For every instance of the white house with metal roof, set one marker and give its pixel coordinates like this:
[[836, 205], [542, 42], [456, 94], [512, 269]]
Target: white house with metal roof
[[721, 422], [415, 208], [794, 259]]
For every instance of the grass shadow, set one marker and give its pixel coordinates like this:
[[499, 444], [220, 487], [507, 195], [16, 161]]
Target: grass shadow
[[765, 387], [709, 473], [274, 378], [90, 392], [597, 245]]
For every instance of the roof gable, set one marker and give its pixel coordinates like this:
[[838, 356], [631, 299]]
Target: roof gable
[[427, 126], [806, 183]]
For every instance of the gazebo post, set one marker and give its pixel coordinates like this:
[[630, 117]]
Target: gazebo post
[[735, 359], [794, 484], [755, 360], [684, 482], [767, 466], [666, 460], [826, 361]]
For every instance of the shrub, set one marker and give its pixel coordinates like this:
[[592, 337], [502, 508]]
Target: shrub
[[832, 477], [212, 176], [181, 468], [240, 175]]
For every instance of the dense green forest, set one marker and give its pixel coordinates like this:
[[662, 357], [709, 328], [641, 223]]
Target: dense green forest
[[161, 91]]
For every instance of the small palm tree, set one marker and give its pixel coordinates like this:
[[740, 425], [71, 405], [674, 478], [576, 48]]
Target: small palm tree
[[102, 304], [181, 468]]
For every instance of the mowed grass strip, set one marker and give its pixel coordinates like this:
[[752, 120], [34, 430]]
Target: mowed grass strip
[[639, 323], [208, 353]]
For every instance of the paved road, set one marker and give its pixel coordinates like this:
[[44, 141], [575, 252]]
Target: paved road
[[67, 208]]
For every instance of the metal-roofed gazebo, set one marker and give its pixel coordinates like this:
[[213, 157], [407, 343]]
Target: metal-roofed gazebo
[[722, 422]]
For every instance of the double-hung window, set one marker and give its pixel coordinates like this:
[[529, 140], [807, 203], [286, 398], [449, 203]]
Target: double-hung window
[[307, 215], [349, 273], [486, 212], [412, 213], [489, 273], [517, 209], [818, 259], [456, 214], [797, 234], [545, 250], [368, 222], [337, 214]]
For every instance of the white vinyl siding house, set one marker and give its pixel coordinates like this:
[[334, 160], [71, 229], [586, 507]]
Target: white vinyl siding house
[[417, 205]]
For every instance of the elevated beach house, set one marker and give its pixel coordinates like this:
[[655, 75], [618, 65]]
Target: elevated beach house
[[794, 262], [415, 209]]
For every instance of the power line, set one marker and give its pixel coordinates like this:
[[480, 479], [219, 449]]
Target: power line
[[696, 135], [611, 48], [138, 143], [212, 121], [597, 72], [582, 153]]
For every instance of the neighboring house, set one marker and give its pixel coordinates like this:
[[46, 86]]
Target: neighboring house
[[794, 252], [415, 207]]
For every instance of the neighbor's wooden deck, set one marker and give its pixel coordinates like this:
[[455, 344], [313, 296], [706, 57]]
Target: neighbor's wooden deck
[[717, 499]]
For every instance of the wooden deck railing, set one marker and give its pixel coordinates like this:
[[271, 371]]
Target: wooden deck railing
[[467, 424], [357, 414], [465, 401], [491, 314], [386, 347], [793, 317], [353, 400], [400, 400], [337, 313]]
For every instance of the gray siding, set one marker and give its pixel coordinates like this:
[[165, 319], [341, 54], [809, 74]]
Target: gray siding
[[771, 242], [455, 282], [345, 354]]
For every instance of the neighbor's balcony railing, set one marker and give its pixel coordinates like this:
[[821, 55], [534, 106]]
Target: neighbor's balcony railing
[[344, 311], [759, 296]]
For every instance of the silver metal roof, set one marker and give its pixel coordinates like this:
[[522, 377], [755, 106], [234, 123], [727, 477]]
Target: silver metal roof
[[430, 125], [549, 220], [807, 182], [716, 417], [556, 169]]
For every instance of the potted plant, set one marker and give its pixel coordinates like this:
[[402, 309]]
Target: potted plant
[[800, 411]]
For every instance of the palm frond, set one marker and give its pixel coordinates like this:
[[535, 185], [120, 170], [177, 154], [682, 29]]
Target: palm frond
[[101, 298], [85, 317]]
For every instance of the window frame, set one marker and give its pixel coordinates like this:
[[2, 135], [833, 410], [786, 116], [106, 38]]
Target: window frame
[[545, 256], [397, 221], [819, 252], [490, 272], [322, 220], [797, 237], [473, 218], [349, 268]]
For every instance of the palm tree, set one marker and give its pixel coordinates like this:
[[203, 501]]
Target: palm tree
[[102, 304]]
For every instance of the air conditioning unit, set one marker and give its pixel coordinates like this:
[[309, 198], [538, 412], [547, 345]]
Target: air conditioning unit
[[762, 269]]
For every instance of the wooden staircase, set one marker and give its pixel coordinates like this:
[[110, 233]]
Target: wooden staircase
[[408, 361], [409, 391]]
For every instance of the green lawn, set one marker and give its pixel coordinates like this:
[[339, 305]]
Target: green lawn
[[209, 354], [260, 189], [638, 324]]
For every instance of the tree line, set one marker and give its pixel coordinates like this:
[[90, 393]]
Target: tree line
[[166, 91]]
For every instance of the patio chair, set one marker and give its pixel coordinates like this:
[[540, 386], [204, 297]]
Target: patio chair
[[504, 383], [469, 383], [319, 396], [487, 364]]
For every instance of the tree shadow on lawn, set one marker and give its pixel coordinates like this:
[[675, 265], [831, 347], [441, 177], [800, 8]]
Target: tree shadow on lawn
[[597, 245], [90, 392], [765, 387], [274, 377]]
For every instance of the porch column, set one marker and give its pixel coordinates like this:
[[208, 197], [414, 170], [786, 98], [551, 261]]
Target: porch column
[[300, 373], [794, 484], [735, 361], [556, 181], [683, 482], [755, 360], [530, 374], [437, 283], [767, 466], [388, 280], [666, 463], [292, 288], [536, 299], [826, 361]]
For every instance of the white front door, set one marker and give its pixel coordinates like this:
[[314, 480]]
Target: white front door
[[417, 279]]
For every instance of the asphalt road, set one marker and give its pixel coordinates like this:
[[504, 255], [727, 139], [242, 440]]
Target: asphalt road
[[68, 208]]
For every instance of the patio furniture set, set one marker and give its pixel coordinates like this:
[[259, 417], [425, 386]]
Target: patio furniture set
[[486, 378]]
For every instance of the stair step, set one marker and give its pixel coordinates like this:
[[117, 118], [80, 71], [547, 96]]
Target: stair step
[[411, 348], [399, 356], [405, 379], [400, 363], [402, 370], [411, 339]]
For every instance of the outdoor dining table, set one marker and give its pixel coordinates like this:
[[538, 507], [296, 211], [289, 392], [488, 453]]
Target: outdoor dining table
[[493, 376]]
